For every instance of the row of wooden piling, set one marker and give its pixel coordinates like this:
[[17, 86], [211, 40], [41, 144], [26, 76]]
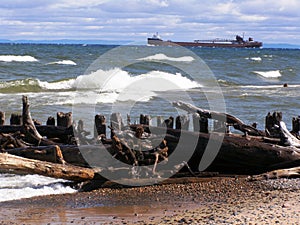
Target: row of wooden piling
[[181, 122]]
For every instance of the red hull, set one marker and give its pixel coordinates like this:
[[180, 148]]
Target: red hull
[[247, 44]]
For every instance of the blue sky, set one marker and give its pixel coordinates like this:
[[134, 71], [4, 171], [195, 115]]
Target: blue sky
[[268, 21]]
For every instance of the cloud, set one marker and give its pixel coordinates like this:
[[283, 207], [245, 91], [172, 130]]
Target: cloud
[[137, 19]]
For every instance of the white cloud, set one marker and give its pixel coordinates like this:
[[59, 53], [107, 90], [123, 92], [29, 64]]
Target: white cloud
[[174, 19]]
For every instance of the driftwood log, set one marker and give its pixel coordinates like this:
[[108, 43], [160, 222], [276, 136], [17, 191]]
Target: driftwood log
[[225, 117], [276, 174], [19, 165]]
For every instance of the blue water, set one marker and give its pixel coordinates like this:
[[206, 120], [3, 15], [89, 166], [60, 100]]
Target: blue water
[[90, 79], [251, 79]]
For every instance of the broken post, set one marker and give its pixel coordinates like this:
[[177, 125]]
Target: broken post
[[64, 119], [100, 126]]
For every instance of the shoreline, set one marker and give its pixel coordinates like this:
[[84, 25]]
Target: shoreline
[[220, 200]]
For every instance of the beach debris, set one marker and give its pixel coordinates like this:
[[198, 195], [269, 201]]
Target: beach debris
[[146, 148]]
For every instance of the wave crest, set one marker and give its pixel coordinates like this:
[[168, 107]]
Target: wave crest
[[114, 80], [63, 62], [269, 74], [17, 58], [161, 56]]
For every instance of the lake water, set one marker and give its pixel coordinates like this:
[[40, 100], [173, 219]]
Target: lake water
[[91, 79]]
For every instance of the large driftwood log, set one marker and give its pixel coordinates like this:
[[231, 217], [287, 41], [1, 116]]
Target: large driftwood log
[[229, 119], [237, 154], [49, 131], [19, 165], [51, 153]]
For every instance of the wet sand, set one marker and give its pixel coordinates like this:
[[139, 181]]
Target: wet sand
[[216, 200]]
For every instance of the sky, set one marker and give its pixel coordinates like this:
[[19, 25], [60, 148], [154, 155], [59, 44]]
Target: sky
[[134, 20]]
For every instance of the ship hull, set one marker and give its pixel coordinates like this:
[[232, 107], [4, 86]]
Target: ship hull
[[254, 44]]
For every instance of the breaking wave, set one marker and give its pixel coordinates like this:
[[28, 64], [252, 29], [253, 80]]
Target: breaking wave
[[17, 58], [257, 59], [14, 187], [63, 62], [114, 80], [161, 56], [269, 74]]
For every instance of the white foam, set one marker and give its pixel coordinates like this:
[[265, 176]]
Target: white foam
[[116, 84], [161, 56], [14, 187], [63, 62], [17, 58], [269, 74], [58, 85], [255, 59], [106, 86]]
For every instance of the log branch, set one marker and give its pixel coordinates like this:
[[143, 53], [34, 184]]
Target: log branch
[[31, 133], [229, 119]]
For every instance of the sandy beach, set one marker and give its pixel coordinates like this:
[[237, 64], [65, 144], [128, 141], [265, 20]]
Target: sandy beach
[[217, 200]]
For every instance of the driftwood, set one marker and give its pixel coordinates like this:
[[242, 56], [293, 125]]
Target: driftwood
[[31, 133], [19, 165], [276, 174], [141, 145], [225, 117], [237, 155], [51, 153]]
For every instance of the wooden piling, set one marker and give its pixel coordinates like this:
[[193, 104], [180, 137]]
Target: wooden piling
[[182, 122], [196, 122], [270, 122], [296, 125], [160, 121], [115, 122], [169, 122], [2, 118], [51, 121], [144, 119], [64, 119], [16, 119], [100, 125]]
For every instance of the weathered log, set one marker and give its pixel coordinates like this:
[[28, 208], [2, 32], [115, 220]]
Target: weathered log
[[276, 174], [9, 141], [286, 137], [238, 154], [229, 119], [19, 165], [83, 156], [51, 153], [44, 130]]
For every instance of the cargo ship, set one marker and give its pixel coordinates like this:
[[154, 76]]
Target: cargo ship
[[238, 42]]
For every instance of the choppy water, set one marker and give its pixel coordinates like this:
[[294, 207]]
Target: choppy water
[[90, 79]]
